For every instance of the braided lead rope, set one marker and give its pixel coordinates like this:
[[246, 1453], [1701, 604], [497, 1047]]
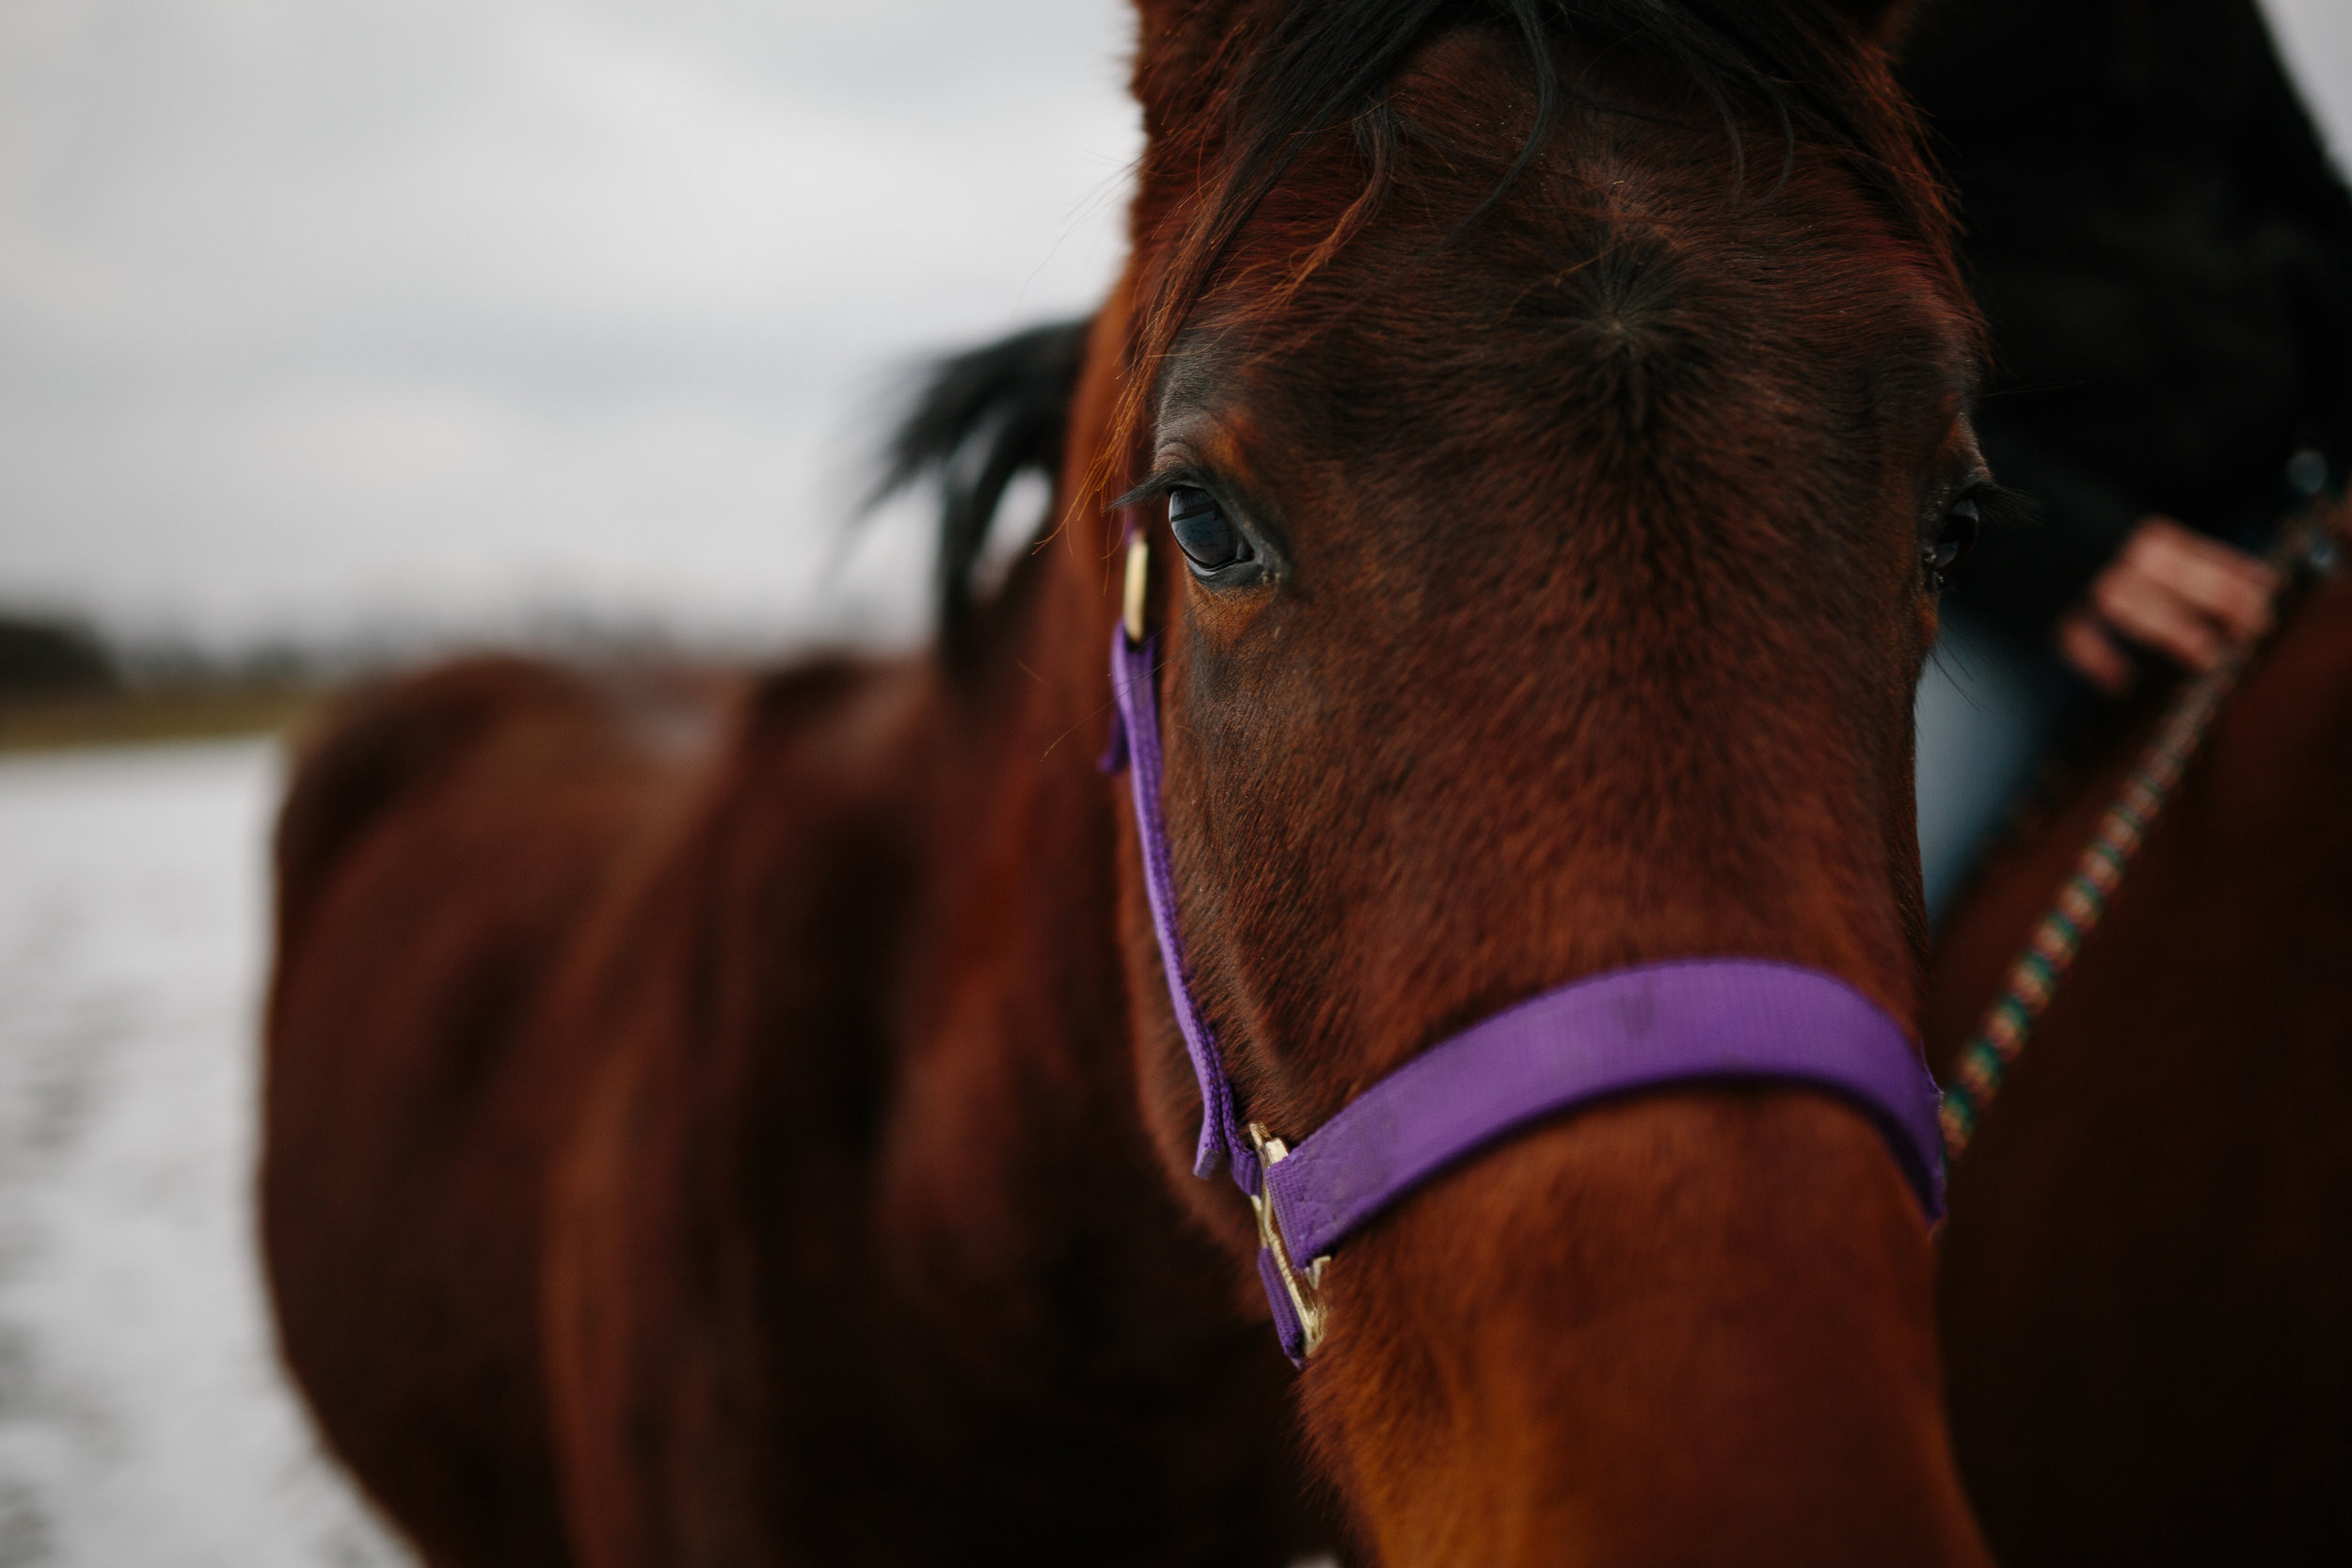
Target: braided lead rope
[[2307, 545]]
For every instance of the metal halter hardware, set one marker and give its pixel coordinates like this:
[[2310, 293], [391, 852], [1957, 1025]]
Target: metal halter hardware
[[1303, 1286], [1714, 1021]]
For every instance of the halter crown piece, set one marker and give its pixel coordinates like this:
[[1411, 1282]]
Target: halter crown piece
[[1687, 1021]]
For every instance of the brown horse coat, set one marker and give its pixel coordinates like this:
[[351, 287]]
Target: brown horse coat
[[747, 1125], [607, 988], [2147, 1273]]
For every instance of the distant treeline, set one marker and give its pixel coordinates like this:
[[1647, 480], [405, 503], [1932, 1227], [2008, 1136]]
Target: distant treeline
[[52, 655], [64, 683]]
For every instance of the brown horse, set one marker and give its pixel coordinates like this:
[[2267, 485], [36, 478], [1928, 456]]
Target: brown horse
[[716, 1124], [2147, 1283]]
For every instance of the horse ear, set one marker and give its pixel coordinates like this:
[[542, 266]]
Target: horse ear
[[1177, 45], [1885, 22]]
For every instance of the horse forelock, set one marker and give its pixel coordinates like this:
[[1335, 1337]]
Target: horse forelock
[[1237, 116]]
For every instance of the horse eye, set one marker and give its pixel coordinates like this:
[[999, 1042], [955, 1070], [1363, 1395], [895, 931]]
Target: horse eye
[[1953, 542], [1203, 533]]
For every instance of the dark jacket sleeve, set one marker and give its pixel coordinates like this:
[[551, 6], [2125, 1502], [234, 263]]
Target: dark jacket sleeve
[[2164, 251]]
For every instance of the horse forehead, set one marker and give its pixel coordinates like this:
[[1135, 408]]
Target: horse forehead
[[1628, 248], [1635, 260], [1620, 327]]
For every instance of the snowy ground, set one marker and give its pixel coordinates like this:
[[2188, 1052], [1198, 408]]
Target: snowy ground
[[144, 1422]]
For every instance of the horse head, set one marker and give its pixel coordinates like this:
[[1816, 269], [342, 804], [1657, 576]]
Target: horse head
[[1544, 423]]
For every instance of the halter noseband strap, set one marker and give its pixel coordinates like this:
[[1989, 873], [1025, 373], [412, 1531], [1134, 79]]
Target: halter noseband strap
[[1687, 1021]]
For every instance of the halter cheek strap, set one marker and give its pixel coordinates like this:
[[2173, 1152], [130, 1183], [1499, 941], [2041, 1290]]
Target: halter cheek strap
[[1683, 1021]]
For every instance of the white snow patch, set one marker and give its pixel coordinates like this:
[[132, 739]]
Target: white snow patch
[[144, 1420]]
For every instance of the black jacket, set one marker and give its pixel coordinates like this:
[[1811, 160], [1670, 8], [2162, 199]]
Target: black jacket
[[2165, 254]]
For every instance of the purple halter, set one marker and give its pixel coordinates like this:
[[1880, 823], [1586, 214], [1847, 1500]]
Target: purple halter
[[1720, 1020]]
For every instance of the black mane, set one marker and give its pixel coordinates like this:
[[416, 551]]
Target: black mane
[[979, 419]]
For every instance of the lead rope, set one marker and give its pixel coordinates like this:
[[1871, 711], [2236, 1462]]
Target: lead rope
[[2307, 546]]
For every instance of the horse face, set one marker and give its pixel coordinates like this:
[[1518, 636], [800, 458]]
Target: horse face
[[1543, 593]]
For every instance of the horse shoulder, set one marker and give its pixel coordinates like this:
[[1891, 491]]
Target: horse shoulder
[[702, 1260], [445, 838]]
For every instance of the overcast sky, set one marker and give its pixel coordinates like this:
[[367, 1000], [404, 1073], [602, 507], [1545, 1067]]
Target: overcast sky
[[402, 313], [441, 311]]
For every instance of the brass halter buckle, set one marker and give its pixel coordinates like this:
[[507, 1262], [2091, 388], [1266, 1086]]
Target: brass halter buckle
[[1305, 1286], [1139, 582]]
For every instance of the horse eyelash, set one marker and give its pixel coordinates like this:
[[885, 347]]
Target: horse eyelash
[[1156, 486], [1998, 507]]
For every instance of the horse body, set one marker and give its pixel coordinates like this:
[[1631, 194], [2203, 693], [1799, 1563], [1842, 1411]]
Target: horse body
[[783, 1144], [2148, 1270], [714, 1259], [450, 843]]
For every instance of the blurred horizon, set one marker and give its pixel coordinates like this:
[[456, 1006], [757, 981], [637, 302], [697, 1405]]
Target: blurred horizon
[[398, 323]]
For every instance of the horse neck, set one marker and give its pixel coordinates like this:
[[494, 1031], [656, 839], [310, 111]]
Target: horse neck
[[1016, 1028]]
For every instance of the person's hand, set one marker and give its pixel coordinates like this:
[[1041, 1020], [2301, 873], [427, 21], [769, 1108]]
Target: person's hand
[[2171, 591]]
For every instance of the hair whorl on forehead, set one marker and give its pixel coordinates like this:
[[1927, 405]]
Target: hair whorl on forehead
[[1803, 64]]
